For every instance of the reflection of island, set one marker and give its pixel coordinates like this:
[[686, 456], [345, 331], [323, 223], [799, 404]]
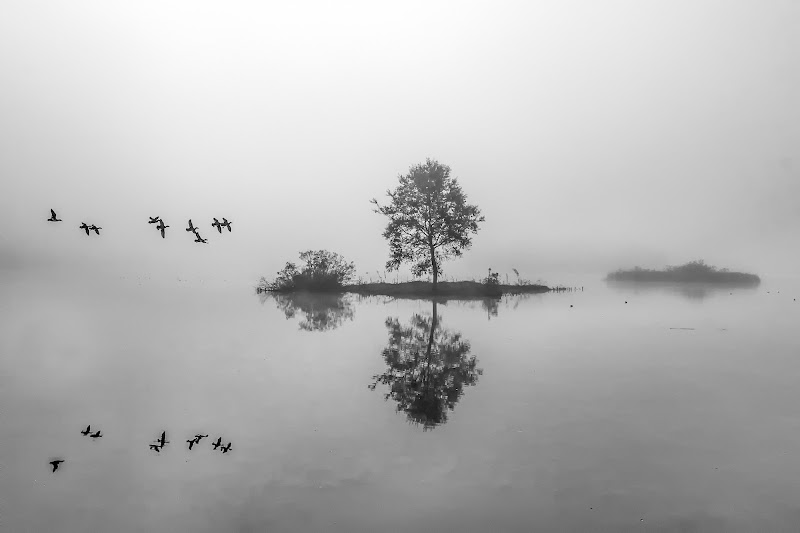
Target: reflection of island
[[427, 369], [690, 290], [321, 311]]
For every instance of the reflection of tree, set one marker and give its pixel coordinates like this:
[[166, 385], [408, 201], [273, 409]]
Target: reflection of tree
[[321, 311], [428, 368]]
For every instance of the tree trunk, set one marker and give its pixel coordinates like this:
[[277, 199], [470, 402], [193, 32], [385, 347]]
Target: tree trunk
[[435, 268]]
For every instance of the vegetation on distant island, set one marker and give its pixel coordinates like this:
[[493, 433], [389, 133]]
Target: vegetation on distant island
[[429, 220], [695, 271], [322, 271]]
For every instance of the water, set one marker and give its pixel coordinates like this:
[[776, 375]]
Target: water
[[527, 415]]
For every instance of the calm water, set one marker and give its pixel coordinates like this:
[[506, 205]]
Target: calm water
[[527, 415]]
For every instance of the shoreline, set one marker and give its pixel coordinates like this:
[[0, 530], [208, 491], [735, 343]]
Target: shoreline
[[460, 289]]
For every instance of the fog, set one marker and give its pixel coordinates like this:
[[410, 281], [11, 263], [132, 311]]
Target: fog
[[592, 135]]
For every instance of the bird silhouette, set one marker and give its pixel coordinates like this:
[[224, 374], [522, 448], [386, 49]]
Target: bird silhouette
[[95, 229], [161, 227], [96, 434], [217, 444], [153, 220], [226, 449], [83, 226], [53, 217], [86, 431], [198, 437], [192, 442], [225, 223], [191, 227], [217, 224], [163, 440], [200, 239], [155, 447], [56, 463]]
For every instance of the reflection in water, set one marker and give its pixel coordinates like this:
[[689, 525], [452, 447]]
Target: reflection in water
[[691, 290], [427, 369], [320, 311]]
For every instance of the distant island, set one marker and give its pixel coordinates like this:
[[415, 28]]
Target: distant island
[[694, 271]]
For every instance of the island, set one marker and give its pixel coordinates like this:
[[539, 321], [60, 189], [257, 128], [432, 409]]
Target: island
[[694, 271]]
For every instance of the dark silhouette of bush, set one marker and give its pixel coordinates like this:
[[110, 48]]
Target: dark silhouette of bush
[[322, 271], [694, 271]]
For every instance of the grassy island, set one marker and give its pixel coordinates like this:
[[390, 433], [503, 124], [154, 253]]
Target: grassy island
[[327, 272], [695, 271]]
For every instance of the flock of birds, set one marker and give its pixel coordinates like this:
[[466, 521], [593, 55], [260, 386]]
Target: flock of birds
[[160, 226], [157, 444]]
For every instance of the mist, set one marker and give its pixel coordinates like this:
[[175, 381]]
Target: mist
[[591, 136]]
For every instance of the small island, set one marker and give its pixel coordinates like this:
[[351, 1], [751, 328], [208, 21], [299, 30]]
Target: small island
[[694, 271], [322, 271], [428, 222]]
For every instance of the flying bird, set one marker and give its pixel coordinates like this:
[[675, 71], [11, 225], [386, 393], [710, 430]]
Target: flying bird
[[96, 434], [161, 227], [153, 220], [95, 229], [226, 449], [56, 463], [225, 223], [200, 239], [199, 436], [191, 227], [217, 444], [83, 226], [86, 431], [217, 224], [163, 440], [53, 217]]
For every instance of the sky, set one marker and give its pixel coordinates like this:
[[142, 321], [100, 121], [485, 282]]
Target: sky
[[592, 135]]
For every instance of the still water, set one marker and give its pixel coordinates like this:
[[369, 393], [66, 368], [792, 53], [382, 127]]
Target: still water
[[676, 411]]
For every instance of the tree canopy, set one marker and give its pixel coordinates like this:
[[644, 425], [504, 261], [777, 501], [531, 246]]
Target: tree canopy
[[429, 219]]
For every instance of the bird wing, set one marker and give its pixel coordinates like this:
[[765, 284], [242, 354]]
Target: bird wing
[[53, 213]]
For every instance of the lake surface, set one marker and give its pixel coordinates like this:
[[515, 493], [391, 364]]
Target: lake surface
[[348, 416]]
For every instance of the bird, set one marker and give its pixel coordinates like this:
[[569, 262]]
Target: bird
[[217, 225], [191, 227], [56, 463], [226, 449], [53, 217], [153, 220], [199, 436], [83, 226], [95, 229], [200, 239], [96, 434], [155, 447], [163, 440], [217, 444], [86, 431], [225, 223], [161, 227], [192, 442]]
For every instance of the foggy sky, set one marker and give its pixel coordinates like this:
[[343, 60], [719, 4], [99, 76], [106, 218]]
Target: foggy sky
[[591, 134]]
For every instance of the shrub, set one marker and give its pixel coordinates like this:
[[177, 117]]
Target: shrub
[[323, 270]]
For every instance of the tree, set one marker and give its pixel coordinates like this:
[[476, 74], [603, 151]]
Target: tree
[[429, 219], [427, 369]]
